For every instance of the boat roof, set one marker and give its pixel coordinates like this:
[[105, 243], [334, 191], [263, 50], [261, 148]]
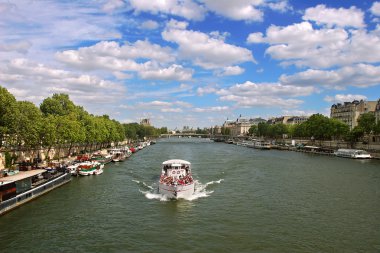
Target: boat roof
[[176, 161], [21, 175]]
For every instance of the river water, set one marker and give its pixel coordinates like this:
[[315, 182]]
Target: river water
[[246, 200]]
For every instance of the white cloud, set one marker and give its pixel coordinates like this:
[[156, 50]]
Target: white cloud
[[206, 90], [149, 25], [173, 72], [203, 49], [251, 94], [164, 106], [18, 46], [360, 75], [212, 109], [109, 55], [255, 38], [352, 17], [341, 98], [262, 101], [58, 24], [375, 9], [98, 54], [237, 10], [183, 8], [302, 45], [280, 6], [230, 71], [249, 89], [112, 5], [35, 81]]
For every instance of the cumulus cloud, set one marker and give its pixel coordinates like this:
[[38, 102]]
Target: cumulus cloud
[[375, 8], [280, 6], [341, 98], [35, 81], [173, 72], [212, 109], [183, 8], [164, 106], [109, 55], [359, 75], [230, 71], [203, 49], [149, 25], [206, 90], [112, 5], [251, 94], [246, 10], [63, 24], [302, 45], [352, 17]]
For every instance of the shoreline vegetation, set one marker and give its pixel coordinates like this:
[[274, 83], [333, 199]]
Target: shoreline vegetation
[[60, 125]]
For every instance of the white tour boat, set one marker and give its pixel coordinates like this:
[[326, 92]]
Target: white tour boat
[[176, 180], [353, 153]]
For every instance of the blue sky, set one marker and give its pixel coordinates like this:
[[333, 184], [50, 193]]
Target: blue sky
[[192, 62]]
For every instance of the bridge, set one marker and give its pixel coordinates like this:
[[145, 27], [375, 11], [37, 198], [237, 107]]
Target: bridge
[[189, 135], [178, 135]]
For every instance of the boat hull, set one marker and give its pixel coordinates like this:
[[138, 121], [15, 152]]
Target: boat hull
[[177, 191]]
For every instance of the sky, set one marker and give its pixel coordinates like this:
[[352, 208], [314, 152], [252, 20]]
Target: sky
[[192, 62]]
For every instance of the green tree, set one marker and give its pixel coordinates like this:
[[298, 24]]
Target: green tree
[[8, 108], [28, 124], [253, 130], [225, 131], [376, 129], [263, 129], [367, 122], [58, 104], [277, 130]]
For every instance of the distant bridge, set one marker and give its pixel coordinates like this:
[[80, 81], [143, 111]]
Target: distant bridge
[[211, 136], [185, 135]]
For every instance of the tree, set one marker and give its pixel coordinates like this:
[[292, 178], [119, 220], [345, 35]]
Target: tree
[[8, 108], [28, 124], [339, 129], [59, 104], [376, 129], [367, 122], [263, 129], [253, 130], [277, 130], [225, 131]]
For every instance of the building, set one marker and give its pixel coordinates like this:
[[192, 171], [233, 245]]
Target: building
[[377, 111], [241, 125], [349, 112], [288, 120], [145, 122]]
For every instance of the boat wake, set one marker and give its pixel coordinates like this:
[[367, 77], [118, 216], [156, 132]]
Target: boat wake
[[201, 190]]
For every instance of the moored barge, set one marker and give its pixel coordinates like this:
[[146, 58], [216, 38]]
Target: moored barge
[[25, 186]]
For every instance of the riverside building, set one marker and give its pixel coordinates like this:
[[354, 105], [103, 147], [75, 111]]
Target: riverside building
[[349, 112]]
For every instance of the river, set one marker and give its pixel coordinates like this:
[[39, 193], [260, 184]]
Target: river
[[246, 200]]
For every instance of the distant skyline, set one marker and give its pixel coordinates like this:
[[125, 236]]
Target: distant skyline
[[192, 62]]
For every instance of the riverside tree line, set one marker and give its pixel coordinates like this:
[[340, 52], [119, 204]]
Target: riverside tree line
[[58, 122], [318, 127]]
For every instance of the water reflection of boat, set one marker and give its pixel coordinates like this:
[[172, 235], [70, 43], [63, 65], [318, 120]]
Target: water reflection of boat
[[176, 180]]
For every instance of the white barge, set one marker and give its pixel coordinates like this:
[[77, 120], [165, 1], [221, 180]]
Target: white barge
[[353, 153], [176, 180]]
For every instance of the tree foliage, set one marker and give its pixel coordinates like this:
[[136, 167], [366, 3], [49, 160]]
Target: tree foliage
[[59, 122]]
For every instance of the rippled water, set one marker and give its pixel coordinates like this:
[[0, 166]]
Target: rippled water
[[246, 201]]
